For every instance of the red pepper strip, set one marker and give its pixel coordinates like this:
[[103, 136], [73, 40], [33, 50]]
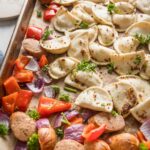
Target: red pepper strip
[[49, 14], [92, 133], [43, 61], [140, 136], [48, 106]]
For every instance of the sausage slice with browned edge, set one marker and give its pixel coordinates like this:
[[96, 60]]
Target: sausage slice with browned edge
[[68, 145], [113, 122], [22, 125], [32, 46]]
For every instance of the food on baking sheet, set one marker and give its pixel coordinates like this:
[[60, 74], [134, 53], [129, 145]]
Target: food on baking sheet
[[81, 81]]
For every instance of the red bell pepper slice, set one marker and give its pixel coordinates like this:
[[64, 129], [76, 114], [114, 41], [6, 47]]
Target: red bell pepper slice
[[8, 102], [49, 14], [24, 76], [54, 7], [11, 85], [23, 100], [34, 32], [48, 106], [43, 61], [92, 133]]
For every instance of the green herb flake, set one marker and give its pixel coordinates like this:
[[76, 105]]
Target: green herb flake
[[56, 88], [45, 68], [46, 34], [137, 60], [33, 114], [112, 8], [59, 132], [3, 130], [64, 119], [114, 113], [110, 67], [143, 39], [33, 142], [86, 66], [64, 97], [84, 25], [70, 89], [39, 13], [142, 146]]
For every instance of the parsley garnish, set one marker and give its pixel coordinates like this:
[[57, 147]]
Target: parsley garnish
[[114, 113], [56, 88], [59, 132], [143, 39], [33, 114], [64, 97], [86, 66], [142, 146], [84, 25], [39, 13], [112, 8], [3, 130], [46, 34], [110, 67], [45, 68], [64, 119], [137, 60], [70, 89], [33, 142]]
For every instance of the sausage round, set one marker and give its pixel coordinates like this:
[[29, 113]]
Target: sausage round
[[124, 141], [68, 145], [113, 123], [32, 46], [22, 125], [97, 145]]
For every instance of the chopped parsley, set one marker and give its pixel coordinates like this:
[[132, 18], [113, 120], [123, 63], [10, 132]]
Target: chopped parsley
[[64, 119], [70, 89], [39, 13], [64, 97], [114, 113], [33, 142], [45, 68], [46, 34], [112, 8], [56, 88], [142, 146], [137, 60], [143, 39], [33, 114], [86, 66], [3, 129], [110, 67], [84, 25], [59, 132]]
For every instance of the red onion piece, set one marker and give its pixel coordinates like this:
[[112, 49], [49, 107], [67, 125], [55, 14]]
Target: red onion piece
[[32, 65], [21, 145], [74, 132], [44, 122], [145, 129], [58, 121], [4, 119], [36, 86], [49, 92]]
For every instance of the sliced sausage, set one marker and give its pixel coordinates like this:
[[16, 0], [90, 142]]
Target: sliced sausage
[[68, 145], [22, 125], [47, 138], [97, 145], [32, 46], [124, 141], [113, 123]]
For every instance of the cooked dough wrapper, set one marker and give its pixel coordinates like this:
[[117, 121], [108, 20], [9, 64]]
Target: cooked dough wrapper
[[142, 87], [143, 5], [79, 47], [56, 46], [65, 21], [101, 14], [141, 112], [128, 63], [100, 54], [65, 2], [133, 2], [61, 67], [95, 98], [79, 12], [107, 35], [123, 21], [126, 44], [124, 97], [99, 1], [142, 17]]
